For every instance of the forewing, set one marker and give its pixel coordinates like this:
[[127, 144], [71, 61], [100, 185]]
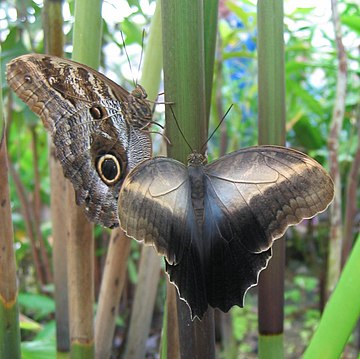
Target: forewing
[[85, 114], [263, 190], [154, 206]]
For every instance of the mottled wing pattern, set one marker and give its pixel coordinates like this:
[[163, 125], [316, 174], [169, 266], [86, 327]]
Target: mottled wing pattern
[[263, 190], [87, 116]]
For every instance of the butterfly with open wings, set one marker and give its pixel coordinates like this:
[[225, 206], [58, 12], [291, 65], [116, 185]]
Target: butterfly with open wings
[[215, 223]]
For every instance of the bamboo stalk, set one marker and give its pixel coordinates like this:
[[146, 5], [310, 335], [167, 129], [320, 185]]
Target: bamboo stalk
[[118, 253], [143, 306], [170, 344], [350, 205], [54, 43], [335, 240], [9, 312], [36, 209], [210, 31], [87, 45], [29, 223], [271, 87], [184, 77], [149, 268], [112, 285]]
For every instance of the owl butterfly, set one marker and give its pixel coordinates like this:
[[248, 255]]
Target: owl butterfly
[[215, 223], [99, 129]]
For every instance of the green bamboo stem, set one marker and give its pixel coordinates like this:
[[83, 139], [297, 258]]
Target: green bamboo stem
[[9, 312], [185, 83], [271, 87], [210, 31], [341, 313], [53, 27], [152, 63], [87, 46], [87, 32], [184, 77]]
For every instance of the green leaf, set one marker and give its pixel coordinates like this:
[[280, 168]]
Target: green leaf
[[352, 21], [304, 95], [40, 349], [47, 333], [132, 32], [132, 270], [307, 134], [239, 12], [41, 305], [29, 324]]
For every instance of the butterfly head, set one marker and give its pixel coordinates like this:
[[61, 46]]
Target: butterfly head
[[138, 112], [196, 159], [139, 92]]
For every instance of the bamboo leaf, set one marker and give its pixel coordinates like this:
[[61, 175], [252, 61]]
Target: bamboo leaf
[[327, 342], [352, 21]]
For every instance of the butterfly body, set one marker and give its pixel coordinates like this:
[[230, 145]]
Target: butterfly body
[[215, 223], [98, 128]]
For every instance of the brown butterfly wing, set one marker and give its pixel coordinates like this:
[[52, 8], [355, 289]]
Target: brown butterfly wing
[[227, 268], [155, 207], [88, 116], [266, 189], [251, 197]]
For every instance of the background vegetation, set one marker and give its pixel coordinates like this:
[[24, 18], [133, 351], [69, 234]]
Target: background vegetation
[[311, 59]]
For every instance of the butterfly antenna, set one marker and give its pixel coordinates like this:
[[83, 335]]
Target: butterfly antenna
[[178, 126], [127, 56], [216, 128], [142, 50]]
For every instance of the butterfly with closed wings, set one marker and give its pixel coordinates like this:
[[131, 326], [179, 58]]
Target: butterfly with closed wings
[[215, 223], [98, 128]]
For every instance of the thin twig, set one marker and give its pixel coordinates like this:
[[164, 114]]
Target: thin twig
[[37, 209], [29, 221]]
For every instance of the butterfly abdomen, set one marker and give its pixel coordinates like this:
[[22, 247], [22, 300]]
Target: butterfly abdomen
[[197, 186]]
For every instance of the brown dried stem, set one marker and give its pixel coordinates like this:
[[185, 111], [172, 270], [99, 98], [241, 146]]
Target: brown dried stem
[[37, 205], [9, 322], [112, 285], [29, 222], [54, 42], [335, 243]]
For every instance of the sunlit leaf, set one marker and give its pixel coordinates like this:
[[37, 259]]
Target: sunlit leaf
[[352, 21]]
